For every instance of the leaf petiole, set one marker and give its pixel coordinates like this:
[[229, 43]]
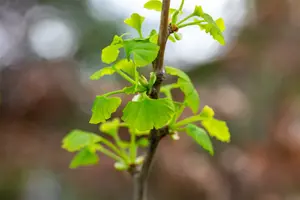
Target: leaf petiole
[[125, 76], [181, 5], [113, 92], [113, 148], [185, 19], [109, 153], [185, 121], [122, 150], [133, 147], [178, 113], [198, 22]]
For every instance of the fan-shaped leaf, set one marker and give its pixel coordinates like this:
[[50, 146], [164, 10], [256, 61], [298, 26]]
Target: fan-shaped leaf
[[110, 54], [187, 87], [200, 136], [217, 129], [84, 158], [102, 72], [143, 52], [78, 139], [103, 107], [135, 21], [110, 127], [148, 113]]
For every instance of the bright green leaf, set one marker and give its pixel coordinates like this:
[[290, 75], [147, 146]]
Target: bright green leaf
[[156, 5], [103, 107], [110, 54], [215, 29], [148, 113], [220, 23], [110, 127], [178, 36], [153, 5], [102, 72], [117, 40], [171, 38], [187, 87], [135, 21], [85, 157], [207, 113], [78, 139], [198, 11], [154, 38], [177, 72], [208, 18], [218, 129], [143, 52], [126, 66], [200, 136], [191, 95], [143, 142], [129, 90]]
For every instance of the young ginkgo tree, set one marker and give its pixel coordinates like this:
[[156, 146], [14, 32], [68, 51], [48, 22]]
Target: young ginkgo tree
[[152, 112]]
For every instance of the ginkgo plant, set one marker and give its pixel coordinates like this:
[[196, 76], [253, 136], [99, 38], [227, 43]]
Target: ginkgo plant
[[152, 112]]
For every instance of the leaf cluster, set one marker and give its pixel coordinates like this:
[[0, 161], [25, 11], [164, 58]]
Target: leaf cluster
[[142, 113]]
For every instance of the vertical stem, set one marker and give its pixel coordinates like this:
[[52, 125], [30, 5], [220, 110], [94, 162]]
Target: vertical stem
[[140, 179]]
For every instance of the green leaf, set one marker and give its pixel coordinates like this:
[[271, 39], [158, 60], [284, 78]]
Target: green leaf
[[148, 113], [171, 38], [177, 72], [143, 142], [103, 107], [156, 5], [102, 72], [154, 38], [110, 127], [85, 157], [200, 136], [218, 129], [117, 40], [207, 113], [198, 11], [135, 21], [178, 36], [187, 87], [215, 29], [129, 90], [126, 66], [78, 139], [153, 5], [143, 52], [191, 95], [110, 54], [220, 23]]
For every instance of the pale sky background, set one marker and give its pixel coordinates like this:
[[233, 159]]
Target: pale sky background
[[53, 37]]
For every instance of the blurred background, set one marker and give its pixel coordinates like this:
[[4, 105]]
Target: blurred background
[[48, 49]]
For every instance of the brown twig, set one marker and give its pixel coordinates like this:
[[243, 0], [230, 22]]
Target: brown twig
[[140, 178]]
